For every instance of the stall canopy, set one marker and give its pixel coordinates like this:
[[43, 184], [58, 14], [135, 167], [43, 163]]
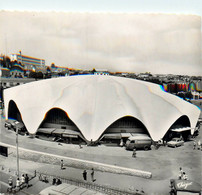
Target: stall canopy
[[112, 136], [46, 130], [125, 135], [181, 129], [58, 131], [70, 133]]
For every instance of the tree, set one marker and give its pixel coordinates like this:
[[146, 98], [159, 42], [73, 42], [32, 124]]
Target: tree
[[32, 74], [53, 65], [6, 62], [48, 69], [93, 71], [39, 75]]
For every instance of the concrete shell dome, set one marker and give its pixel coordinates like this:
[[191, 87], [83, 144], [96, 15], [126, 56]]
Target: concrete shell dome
[[93, 103]]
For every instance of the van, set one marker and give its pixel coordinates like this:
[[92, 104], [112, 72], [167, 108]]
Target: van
[[140, 141]]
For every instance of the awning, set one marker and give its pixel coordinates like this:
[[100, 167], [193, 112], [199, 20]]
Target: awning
[[186, 185], [125, 134], [70, 133], [46, 130], [181, 129], [58, 131], [112, 136]]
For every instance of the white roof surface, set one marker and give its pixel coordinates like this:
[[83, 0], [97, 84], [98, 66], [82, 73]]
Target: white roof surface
[[94, 102]]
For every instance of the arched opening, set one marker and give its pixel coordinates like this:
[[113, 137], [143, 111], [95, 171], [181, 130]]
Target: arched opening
[[180, 128], [119, 131], [13, 111], [57, 126], [14, 119]]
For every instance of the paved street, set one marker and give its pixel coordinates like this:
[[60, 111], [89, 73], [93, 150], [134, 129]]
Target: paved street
[[163, 163]]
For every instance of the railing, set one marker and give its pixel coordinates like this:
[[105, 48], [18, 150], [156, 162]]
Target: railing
[[45, 177]]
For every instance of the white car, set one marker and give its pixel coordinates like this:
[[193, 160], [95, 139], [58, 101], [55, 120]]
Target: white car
[[175, 142]]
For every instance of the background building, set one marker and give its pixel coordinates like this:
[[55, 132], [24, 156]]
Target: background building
[[29, 63]]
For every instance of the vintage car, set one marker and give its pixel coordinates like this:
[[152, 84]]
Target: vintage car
[[175, 142], [8, 124], [184, 187], [11, 124]]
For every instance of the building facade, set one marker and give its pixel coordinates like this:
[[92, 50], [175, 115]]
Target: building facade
[[28, 62], [97, 107]]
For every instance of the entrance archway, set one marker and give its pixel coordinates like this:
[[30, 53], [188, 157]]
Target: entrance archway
[[119, 131], [59, 127]]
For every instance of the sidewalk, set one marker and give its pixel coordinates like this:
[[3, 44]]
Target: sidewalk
[[102, 178]]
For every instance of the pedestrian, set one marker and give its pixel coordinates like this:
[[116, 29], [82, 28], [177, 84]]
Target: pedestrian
[[92, 175], [194, 147], [18, 184], [121, 142], [85, 175], [134, 153], [61, 165], [184, 176], [199, 144], [10, 183], [58, 181], [80, 145], [27, 180], [54, 181], [22, 180], [180, 173]]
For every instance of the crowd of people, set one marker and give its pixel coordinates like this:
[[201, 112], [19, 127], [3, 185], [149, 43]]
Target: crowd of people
[[92, 175], [182, 175], [20, 183]]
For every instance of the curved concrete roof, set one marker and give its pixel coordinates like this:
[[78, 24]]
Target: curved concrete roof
[[94, 102]]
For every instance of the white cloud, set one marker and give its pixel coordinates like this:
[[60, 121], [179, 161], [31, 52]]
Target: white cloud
[[119, 42]]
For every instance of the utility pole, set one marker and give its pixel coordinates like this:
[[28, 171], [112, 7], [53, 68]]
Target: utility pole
[[17, 153]]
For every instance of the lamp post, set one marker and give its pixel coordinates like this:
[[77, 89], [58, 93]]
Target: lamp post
[[17, 153]]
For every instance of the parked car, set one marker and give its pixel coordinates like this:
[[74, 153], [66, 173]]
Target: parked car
[[8, 124], [11, 124], [175, 142]]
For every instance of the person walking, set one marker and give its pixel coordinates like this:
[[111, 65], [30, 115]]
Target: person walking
[[184, 176], [27, 180], [61, 165], [194, 146], [134, 153], [18, 184], [85, 175], [80, 145], [180, 173], [92, 175], [10, 183], [22, 181], [199, 144]]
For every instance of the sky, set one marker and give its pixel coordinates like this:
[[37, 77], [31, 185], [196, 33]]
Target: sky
[[156, 36]]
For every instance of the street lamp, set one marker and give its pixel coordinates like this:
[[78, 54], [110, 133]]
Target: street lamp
[[17, 153]]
